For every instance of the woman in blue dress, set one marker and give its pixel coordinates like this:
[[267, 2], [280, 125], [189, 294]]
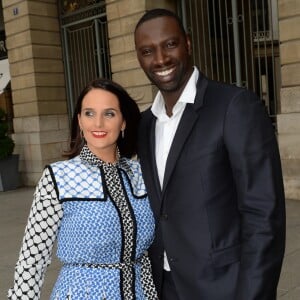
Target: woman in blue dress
[[95, 206]]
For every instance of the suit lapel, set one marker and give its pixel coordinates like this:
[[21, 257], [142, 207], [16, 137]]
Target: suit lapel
[[188, 119], [149, 162], [153, 158], [184, 128]]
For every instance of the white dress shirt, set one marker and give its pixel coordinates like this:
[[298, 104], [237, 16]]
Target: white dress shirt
[[166, 127]]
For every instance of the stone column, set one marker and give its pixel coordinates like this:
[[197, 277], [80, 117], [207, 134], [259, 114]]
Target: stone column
[[122, 16], [289, 118], [41, 123]]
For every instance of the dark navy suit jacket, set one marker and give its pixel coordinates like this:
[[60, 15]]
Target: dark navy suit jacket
[[221, 213]]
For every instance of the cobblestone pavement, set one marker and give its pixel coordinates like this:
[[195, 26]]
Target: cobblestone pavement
[[14, 210]]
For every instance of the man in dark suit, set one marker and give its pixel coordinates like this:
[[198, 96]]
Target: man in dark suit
[[212, 168]]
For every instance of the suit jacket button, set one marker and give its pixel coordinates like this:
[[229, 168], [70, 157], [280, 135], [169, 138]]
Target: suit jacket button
[[164, 216]]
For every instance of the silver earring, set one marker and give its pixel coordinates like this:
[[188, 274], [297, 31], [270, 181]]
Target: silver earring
[[123, 133]]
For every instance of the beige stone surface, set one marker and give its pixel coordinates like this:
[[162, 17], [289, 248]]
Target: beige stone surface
[[52, 107], [126, 25], [44, 23], [27, 124], [39, 138], [17, 25], [37, 65], [131, 78], [290, 52], [24, 81], [39, 94], [9, 5], [290, 99], [64, 122], [143, 107], [288, 123], [57, 93], [31, 178], [48, 79], [40, 108], [290, 75], [40, 37], [52, 151], [48, 65], [47, 51], [20, 53], [42, 8], [291, 168], [119, 9], [33, 152], [292, 190], [51, 136], [24, 95], [41, 123], [289, 145], [161, 4], [29, 167], [22, 67], [124, 61], [289, 29], [26, 109], [142, 94], [121, 44], [33, 157], [288, 8], [18, 40]]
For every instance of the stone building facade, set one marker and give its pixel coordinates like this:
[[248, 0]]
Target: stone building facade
[[289, 116], [41, 122], [37, 82]]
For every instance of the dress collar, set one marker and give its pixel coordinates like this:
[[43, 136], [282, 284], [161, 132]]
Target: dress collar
[[88, 156]]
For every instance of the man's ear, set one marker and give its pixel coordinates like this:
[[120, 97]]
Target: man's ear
[[189, 44]]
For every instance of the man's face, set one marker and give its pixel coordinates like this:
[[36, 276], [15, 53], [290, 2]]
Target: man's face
[[164, 51]]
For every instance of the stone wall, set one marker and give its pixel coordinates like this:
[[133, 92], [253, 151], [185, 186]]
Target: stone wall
[[289, 117], [37, 81]]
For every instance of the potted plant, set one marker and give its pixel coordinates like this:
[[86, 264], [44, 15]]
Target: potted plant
[[9, 162]]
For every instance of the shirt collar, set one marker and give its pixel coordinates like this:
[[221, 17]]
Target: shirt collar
[[187, 96]]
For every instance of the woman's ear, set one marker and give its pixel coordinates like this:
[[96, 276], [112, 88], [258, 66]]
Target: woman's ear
[[123, 127]]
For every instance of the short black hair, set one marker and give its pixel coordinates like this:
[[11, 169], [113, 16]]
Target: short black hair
[[159, 12], [130, 112]]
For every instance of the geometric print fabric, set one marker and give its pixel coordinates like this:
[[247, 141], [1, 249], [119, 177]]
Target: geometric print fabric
[[40, 234], [59, 206]]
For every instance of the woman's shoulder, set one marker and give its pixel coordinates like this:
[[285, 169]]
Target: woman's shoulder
[[132, 168], [133, 164], [67, 162], [74, 165]]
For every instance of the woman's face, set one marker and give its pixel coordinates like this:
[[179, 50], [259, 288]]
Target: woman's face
[[101, 121]]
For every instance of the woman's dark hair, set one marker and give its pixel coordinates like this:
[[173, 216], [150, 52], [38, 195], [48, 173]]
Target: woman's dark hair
[[129, 110], [159, 12]]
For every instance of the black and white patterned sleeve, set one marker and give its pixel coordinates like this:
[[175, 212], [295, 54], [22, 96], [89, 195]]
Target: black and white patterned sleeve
[[40, 235]]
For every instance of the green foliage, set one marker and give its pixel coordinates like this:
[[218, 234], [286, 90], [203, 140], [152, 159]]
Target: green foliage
[[6, 143]]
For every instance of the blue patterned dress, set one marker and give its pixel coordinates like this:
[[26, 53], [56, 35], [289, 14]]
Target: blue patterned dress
[[99, 213]]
